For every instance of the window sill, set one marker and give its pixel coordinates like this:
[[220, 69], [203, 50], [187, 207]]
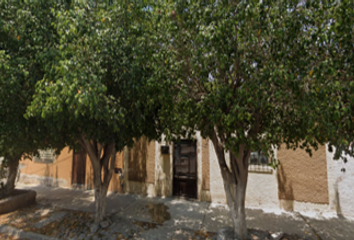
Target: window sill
[[260, 169], [44, 161]]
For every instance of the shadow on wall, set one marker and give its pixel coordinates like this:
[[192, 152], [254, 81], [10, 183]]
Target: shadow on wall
[[337, 199], [137, 172], [137, 161], [89, 174], [50, 177], [47, 174], [285, 190]]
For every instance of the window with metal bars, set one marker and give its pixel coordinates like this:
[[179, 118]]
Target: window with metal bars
[[258, 162], [45, 156]]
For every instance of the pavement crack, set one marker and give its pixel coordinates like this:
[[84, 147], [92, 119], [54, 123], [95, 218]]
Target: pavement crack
[[204, 216], [310, 226]]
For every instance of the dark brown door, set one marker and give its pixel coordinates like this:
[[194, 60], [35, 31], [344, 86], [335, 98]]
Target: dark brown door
[[185, 169], [79, 168]]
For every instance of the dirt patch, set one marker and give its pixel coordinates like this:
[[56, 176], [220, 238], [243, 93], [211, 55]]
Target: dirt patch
[[75, 225], [70, 226], [5, 236], [26, 217], [145, 225], [204, 234]]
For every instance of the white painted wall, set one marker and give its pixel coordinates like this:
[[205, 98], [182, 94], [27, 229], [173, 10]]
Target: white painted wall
[[340, 185], [217, 192], [262, 188], [262, 191]]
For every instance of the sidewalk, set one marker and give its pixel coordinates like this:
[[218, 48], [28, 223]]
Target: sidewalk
[[138, 217]]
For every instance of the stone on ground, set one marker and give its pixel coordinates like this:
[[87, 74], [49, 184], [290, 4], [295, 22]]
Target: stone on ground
[[226, 233]]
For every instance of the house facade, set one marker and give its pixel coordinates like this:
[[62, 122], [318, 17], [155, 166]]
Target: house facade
[[190, 169]]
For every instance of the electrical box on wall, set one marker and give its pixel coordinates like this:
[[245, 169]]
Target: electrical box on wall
[[165, 149]]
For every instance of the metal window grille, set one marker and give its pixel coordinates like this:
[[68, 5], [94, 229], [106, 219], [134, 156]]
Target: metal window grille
[[258, 162], [45, 156]]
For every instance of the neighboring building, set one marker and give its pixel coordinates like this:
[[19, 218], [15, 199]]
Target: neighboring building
[[189, 169], [65, 170]]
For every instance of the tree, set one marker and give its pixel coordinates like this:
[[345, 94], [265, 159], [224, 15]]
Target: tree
[[25, 31], [335, 111], [248, 75], [95, 93]]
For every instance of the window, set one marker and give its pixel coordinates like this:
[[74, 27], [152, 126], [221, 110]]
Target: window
[[258, 162], [45, 156]]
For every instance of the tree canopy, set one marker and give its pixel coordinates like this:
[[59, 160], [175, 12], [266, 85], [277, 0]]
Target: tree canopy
[[253, 75], [94, 93], [249, 75], [25, 34]]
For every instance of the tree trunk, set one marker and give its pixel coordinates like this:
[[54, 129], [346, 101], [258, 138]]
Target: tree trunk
[[240, 225], [103, 165], [12, 164], [236, 196], [100, 202], [101, 185], [235, 181]]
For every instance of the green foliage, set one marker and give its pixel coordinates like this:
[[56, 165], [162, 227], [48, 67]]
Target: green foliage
[[334, 81], [259, 73], [25, 32], [95, 81]]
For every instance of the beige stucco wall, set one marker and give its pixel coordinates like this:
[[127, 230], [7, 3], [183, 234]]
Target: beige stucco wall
[[202, 172], [141, 162], [57, 174], [139, 168], [301, 177], [205, 165], [205, 168], [159, 168], [305, 184], [164, 170]]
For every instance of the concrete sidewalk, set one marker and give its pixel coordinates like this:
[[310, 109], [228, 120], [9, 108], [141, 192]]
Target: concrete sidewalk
[[172, 215]]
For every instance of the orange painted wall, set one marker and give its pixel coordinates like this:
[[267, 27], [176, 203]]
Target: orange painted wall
[[61, 169], [115, 182]]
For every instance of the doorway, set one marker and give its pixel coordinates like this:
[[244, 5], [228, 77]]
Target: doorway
[[79, 168], [185, 169]]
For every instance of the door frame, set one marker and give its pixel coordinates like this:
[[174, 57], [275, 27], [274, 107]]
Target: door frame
[[196, 193], [73, 172]]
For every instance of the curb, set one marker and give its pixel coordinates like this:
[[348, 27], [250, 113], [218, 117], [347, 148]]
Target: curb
[[21, 234]]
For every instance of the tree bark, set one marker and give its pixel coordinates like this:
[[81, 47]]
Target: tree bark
[[239, 211], [102, 173], [100, 202], [12, 164], [235, 179]]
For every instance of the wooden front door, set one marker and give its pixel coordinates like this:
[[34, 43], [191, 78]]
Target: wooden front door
[[185, 169], [79, 168]]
